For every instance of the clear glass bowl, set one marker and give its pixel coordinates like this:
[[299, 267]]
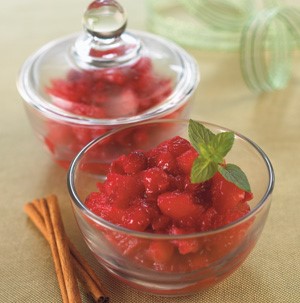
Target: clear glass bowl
[[124, 252], [79, 87]]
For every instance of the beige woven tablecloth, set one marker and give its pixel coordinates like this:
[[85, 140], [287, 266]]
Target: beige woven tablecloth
[[272, 271]]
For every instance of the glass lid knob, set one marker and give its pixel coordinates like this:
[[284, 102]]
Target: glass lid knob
[[105, 19], [104, 43]]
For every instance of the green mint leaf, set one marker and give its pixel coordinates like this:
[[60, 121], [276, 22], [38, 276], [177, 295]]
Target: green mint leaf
[[218, 147], [208, 152], [234, 174], [198, 134], [212, 149], [205, 151], [203, 170], [221, 144]]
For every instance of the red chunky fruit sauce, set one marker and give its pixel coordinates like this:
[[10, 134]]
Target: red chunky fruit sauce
[[103, 94], [151, 191]]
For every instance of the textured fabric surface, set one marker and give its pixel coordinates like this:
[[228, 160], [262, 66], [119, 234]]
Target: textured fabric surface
[[272, 271]]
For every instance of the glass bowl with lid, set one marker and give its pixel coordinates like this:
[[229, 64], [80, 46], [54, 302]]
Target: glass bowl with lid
[[81, 86]]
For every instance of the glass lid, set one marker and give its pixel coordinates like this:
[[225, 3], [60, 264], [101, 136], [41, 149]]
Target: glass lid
[[107, 74]]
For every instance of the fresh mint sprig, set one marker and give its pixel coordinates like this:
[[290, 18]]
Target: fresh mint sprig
[[212, 150]]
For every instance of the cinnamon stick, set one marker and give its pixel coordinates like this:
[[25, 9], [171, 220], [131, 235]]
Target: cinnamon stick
[[60, 250], [32, 209], [87, 276], [84, 272]]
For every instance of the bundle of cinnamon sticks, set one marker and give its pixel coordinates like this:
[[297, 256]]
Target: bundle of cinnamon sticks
[[68, 262]]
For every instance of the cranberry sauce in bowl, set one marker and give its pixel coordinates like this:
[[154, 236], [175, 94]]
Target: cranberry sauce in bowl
[[81, 86], [176, 213]]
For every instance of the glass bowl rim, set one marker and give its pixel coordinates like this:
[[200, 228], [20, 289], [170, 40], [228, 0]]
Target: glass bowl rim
[[179, 96], [146, 235]]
